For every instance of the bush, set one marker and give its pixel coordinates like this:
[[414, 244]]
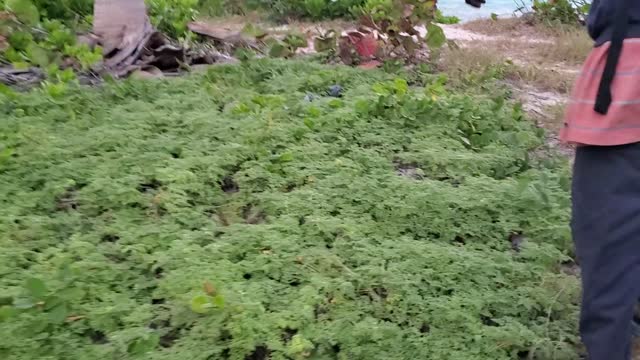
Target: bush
[[172, 16], [440, 18], [567, 12], [311, 9], [45, 43], [65, 10]]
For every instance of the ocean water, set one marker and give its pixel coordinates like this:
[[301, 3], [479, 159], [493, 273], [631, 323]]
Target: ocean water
[[465, 12]]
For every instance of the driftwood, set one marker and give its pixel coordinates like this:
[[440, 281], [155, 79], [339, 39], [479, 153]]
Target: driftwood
[[22, 78], [228, 38]]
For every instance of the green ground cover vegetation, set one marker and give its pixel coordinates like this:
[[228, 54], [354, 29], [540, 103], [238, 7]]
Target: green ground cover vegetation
[[244, 213]]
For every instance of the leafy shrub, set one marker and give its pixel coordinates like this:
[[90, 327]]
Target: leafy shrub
[[221, 7], [440, 18], [172, 16], [398, 20], [41, 43], [313, 9], [568, 12], [65, 10], [231, 216]]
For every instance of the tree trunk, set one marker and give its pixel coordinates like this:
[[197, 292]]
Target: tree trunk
[[124, 29]]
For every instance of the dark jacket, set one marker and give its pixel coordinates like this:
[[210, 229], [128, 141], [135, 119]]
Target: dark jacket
[[602, 18]]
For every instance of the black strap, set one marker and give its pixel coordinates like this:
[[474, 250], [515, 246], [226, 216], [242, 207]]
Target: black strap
[[620, 25]]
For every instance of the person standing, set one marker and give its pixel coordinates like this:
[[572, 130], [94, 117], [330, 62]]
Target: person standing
[[603, 120]]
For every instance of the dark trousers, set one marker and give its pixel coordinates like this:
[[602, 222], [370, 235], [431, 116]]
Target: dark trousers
[[606, 231]]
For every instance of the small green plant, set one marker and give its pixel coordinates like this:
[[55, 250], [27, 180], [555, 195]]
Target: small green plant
[[172, 16], [440, 18], [312, 9], [566, 12]]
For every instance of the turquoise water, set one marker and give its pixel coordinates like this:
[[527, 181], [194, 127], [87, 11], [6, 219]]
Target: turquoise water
[[465, 12]]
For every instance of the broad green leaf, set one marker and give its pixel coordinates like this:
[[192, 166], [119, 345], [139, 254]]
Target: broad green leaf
[[24, 10], [6, 91], [20, 65], [279, 50], [6, 312], [6, 300], [286, 157], [38, 55], [144, 345], [201, 304], [435, 36], [295, 41], [58, 314], [72, 293], [218, 301], [36, 288], [309, 123], [336, 103], [20, 40], [401, 86]]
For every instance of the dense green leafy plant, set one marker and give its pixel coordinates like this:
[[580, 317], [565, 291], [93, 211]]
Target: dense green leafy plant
[[172, 16], [440, 18], [36, 42], [564, 12], [375, 225], [66, 10], [222, 7], [313, 9]]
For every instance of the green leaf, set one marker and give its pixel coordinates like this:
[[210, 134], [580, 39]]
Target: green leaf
[[67, 75], [20, 65], [309, 123], [71, 294], [38, 55], [36, 288], [279, 50], [143, 345], [401, 86], [24, 10], [6, 91], [295, 41], [6, 312], [286, 157], [20, 40], [336, 103], [58, 314], [218, 301], [201, 304], [435, 36]]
